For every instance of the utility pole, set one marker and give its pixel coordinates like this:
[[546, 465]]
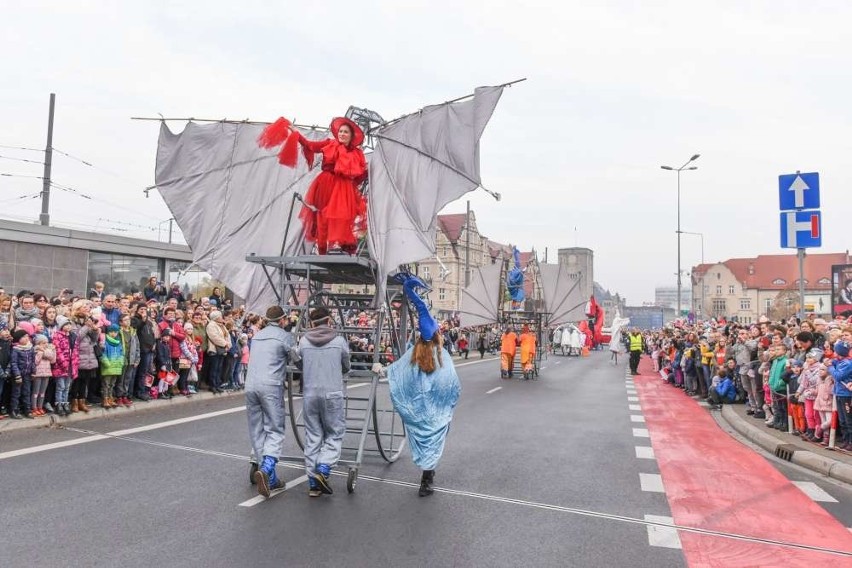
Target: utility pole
[[801, 254], [171, 222], [44, 218], [467, 248]]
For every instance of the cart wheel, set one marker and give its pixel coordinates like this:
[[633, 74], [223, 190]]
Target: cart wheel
[[252, 471], [351, 480]]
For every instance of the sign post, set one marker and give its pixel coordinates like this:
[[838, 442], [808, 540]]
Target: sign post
[[801, 221]]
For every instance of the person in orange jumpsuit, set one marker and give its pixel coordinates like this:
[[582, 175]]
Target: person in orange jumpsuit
[[527, 341], [508, 348]]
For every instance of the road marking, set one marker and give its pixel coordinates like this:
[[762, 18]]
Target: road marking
[[477, 362], [814, 491], [260, 498], [651, 482], [664, 537], [493, 390], [637, 418], [631, 392], [641, 433], [634, 407], [645, 452], [632, 399]]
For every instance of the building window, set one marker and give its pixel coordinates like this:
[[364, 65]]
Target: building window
[[731, 290], [426, 272], [767, 305], [194, 283], [745, 304], [719, 307], [121, 274], [718, 290], [706, 289], [442, 293]]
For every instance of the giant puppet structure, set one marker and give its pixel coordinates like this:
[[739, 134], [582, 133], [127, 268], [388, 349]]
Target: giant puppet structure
[[263, 215]]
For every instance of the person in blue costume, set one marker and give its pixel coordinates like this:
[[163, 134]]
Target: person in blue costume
[[515, 282], [424, 389]]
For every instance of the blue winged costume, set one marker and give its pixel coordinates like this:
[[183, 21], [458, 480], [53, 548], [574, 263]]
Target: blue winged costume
[[425, 402], [515, 282]]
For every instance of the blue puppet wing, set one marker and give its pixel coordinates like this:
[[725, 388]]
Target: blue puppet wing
[[515, 282], [425, 402]]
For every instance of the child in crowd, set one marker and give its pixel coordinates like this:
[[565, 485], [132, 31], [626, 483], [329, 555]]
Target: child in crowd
[[23, 365], [795, 408], [841, 370], [807, 392], [722, 389], [823, 404], [67, 363], [112, 365], [239, 365], [5, 365], [778, 386], [163, 358], [188, 360], [45, 356]]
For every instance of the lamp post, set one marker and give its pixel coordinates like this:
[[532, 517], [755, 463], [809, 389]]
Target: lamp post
[[679, 271], [701, 305]]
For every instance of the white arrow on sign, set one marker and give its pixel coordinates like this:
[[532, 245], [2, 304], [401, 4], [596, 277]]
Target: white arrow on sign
[[799, 187]]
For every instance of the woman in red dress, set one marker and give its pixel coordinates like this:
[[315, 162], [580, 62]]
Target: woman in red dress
[[333, 202]]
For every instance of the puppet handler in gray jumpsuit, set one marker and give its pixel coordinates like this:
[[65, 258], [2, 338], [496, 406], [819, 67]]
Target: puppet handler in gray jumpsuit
[[324, 356], [264, 389], [424, 389]]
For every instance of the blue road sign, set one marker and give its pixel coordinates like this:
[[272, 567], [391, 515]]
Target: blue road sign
[[798, 191], [801, 229]]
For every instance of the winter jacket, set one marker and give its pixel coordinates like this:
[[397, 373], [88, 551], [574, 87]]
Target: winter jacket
[[87, 337], [67, 355], [112, 360], [178, 335], [145, 333], [130, 346], [5, 357], [324, 360], [726, 390], [841, 370], [23, 361], [217, 336], [113, 315], [163, 355], [776, 374], [199, 332], [742, 352], [809, 382], [825, 394], [44, 357], [188, 352], [271, 351]]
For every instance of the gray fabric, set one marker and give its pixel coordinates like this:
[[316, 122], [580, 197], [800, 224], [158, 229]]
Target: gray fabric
[[480, 302], [562, 294], [325, 426], [421, 163], [270, 352], [323, 366], [265, 413]]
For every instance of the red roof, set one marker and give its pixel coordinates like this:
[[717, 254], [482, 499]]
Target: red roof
[[452, 225], [780, 271]]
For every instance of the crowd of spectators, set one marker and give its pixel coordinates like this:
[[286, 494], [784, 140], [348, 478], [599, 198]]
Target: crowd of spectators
[[792, 375], [62, 354]]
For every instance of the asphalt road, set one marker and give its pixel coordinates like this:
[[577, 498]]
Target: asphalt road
[[539, 473]]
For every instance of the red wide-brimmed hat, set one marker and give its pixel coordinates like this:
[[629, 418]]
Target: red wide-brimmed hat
[[357, 133]]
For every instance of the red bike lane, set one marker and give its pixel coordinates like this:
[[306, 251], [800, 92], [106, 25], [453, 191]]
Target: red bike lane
[[714, 482]]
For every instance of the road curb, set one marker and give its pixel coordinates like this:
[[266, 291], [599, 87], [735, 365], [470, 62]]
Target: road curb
[[51, 420], [804, 458]]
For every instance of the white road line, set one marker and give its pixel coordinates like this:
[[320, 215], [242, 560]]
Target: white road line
[[260, 498], [641, 433], [814, 491], [645, 452], [664, 537], [632, 399], [637, 418], [476, 362], [493, 390], [634, 407], [125, 432], [651, 482], [631, 392]]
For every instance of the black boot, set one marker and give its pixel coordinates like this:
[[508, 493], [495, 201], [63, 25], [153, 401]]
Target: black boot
[[426, 481]]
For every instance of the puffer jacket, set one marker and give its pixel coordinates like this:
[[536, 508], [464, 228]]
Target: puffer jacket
[[67, 355], [44, 358], [809, 382], [87, 337], [112, 361], [130, 345], [23, 361], [841, 370], [825, 395]]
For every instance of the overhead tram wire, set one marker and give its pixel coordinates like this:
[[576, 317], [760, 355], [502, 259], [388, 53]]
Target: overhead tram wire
[[21, 148], [21, 160]]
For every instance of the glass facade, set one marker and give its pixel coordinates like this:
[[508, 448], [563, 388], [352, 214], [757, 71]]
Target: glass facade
[[194, 282], [121, 273]]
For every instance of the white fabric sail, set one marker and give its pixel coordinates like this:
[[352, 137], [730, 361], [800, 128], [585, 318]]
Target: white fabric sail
[[421, 163], [562, 294], [480, 301]]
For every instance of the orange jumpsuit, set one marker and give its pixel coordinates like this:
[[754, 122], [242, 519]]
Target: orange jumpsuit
[[527, 351], [508, 348]]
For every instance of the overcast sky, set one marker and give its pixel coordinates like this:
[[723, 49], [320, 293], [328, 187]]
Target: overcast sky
[[615, 89]]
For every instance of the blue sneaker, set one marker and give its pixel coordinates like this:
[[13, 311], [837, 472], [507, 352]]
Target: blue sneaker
[[313, 487], [323, 472], [266, 478]]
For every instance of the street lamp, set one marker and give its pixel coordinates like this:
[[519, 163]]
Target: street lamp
[[701, 305], [679, 271]]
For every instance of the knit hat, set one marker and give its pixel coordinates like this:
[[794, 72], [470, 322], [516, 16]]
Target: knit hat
[[427, 324], [27, 327], [188, 327], [816, 354], [113, 328], [61, 321], [39, 338], [796, 363], [841, 348], [215, 315], [18, 334]]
